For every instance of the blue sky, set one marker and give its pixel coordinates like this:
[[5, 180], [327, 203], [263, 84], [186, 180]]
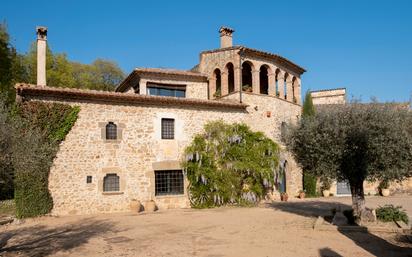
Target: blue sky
[[365, 46]]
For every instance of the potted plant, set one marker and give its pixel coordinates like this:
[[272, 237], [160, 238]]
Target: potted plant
[[302, 194], [325, 187], [150, 206], [247, 88], [218, 93], [384, 188], [135, 205], [284, 197]]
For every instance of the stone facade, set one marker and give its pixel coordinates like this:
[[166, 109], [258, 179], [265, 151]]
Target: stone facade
[[329, 96], [86, 158]]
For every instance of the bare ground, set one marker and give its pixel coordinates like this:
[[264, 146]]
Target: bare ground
[[279, 229]]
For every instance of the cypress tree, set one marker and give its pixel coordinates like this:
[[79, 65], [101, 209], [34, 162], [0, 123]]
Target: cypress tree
[[309, 181]]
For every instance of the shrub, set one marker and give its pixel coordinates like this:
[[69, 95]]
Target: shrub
[[309, 185], [229, 164], [39, 128], [389, 213]]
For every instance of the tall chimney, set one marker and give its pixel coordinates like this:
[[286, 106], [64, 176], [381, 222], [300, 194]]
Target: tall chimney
[[41, 55], [225, 37]]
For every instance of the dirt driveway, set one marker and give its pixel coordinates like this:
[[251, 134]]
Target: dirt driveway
[[281, 229]]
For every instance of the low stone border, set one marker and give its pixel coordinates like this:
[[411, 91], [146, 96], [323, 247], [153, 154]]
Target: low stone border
[[321, 225]]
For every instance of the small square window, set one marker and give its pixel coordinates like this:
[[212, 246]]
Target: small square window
[[168, 128], [89, 179]]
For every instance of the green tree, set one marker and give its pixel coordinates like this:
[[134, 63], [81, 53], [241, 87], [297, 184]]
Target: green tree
[[11, 66], [309, 180], [6, 167], [308, 110], [355, 142], [230, 164], [61, 72]]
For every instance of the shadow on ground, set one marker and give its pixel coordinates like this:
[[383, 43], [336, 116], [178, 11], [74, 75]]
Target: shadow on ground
[[40, 240], [373, 244]]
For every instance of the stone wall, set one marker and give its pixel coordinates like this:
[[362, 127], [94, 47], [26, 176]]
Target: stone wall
[[266, 114], [86, 153], [194, 89], [330, 96]]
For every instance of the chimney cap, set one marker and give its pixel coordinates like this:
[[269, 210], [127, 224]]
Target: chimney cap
[[41, 32], [226, 31]]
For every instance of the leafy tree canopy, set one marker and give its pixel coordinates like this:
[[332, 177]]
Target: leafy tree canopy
[[60, 71], [355, 142]]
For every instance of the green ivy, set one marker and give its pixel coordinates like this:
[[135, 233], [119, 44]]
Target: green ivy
[[229, 164], [43, 127]]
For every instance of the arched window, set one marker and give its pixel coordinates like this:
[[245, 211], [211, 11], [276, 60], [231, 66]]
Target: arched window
[[218, 78], [230, 77], [285, 85], [277, 82], [264, 80], [247, 77], [111, 183], [111, 131]]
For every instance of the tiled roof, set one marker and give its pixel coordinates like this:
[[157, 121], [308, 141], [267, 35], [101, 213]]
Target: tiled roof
[[115, 97], [329, 89]]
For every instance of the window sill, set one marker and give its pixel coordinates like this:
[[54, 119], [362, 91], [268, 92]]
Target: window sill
[[169, 196], [112, 141], [112, 193]]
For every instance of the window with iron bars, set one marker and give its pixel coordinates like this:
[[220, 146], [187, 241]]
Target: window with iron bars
[[111, 131], [168, 128], [169, 182], [111, 183]]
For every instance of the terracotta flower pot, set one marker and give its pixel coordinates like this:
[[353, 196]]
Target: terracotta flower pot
[[284, 197], [135, 206], [385, 192], [150, 206], [302, 195], [326, 193]]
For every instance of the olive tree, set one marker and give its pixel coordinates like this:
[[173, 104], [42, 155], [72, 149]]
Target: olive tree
[[355, 142]]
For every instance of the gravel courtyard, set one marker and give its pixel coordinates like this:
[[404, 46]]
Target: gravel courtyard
[[279, 229]]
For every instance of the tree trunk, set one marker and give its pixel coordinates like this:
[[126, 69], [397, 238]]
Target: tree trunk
[[358, 198]]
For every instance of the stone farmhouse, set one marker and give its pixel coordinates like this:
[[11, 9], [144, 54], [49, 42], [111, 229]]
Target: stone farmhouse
[[129, 144]]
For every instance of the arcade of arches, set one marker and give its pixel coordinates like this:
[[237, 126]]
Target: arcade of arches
[[258, 80]]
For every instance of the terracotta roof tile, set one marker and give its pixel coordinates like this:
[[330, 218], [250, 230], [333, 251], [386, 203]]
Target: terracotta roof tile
[[24, 90]]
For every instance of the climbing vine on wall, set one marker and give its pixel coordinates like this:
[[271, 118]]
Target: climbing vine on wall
[[229, 164], [39, 129]]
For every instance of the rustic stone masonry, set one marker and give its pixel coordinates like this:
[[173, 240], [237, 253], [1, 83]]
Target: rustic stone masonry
[[139, 149], [329, 96], [92, 174]]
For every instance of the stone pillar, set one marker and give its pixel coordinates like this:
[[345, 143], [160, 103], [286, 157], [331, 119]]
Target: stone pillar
[[256, 81], [224, 82], [237, 74], [41, 55], [212, 87], [272, 84], [142, 87], [289, 91], [281, 85], [298, 93]]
